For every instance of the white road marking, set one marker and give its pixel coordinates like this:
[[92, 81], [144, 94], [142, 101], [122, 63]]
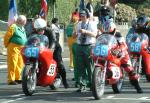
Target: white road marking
[[9, 101], [141, 99], [18, 95], [111, 96], [3, 66]]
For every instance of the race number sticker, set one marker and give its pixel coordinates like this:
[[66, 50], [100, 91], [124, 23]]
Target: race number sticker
[[135, 47], [115, 72], [101, 50], [32, 52], [51, 70]]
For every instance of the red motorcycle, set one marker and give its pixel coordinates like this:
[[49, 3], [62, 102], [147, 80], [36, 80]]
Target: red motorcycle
[[40, 67], [138, 44], [107, 69]]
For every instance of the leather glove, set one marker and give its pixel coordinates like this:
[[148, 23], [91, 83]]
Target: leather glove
[[117, 53]]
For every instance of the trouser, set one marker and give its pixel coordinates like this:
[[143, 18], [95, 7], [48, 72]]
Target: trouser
[[74, 52], [14, 61], [58, 58], [84, 65], [71, 40], [126, 64]]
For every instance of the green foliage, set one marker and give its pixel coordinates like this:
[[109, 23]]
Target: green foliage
[[4, 9], [125, 13], [141, 6], [64, 9], [145, 11], [30, 9]]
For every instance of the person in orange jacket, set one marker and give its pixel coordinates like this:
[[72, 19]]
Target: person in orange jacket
[[69, 32], [14, 40]]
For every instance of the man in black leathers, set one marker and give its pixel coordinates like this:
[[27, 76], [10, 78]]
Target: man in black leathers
[[55, 46]]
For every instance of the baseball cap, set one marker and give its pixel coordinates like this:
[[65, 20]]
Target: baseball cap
[[83, 13]]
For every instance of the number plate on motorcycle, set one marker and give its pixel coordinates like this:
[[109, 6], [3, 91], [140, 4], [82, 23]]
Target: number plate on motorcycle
[[51, 70], [101, 50], [32, 52], [115, 72], [135, 47]]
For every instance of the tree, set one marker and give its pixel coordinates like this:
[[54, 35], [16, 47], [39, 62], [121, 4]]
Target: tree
[[29, 8], [4, 9]]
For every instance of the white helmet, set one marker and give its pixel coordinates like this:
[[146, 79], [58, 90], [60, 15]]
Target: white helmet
[[39, 23]]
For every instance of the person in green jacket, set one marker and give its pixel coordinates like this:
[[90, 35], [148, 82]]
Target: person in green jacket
[[72, 45], [14, 40]]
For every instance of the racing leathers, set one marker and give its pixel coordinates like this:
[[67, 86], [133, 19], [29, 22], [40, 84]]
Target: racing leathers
[[56, 48], [122, 53]]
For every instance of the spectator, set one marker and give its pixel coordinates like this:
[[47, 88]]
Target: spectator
[[14, 40], [86, 37], [75, 13], [69, 32]]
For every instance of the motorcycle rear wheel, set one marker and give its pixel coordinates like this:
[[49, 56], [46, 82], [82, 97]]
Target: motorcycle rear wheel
[[97, 83], [29, 80]]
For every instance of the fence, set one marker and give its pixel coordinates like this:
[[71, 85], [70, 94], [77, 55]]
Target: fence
[[123, 27]]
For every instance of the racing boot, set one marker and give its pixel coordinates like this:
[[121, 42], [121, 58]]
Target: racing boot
[[136, 85], [62, 73], [134, 81]]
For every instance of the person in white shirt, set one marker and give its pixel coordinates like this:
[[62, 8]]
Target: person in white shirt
[[86, 33]]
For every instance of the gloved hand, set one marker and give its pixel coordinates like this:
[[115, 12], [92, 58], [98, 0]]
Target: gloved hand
[[117, 53]]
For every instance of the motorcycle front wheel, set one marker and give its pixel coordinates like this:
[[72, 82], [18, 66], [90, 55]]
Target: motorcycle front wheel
[[29, 80], [98, 83]]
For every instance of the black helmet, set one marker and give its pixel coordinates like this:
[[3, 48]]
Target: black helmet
[[105, 10], [141, 24], [142, 21]]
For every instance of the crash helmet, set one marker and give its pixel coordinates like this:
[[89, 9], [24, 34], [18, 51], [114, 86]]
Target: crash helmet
[[39, 24], [108, 27], [142, 21], [105, 10]]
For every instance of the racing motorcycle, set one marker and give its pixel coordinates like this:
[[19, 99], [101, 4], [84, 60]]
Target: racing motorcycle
[[40, 67], [138, 49], [107, 69]]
